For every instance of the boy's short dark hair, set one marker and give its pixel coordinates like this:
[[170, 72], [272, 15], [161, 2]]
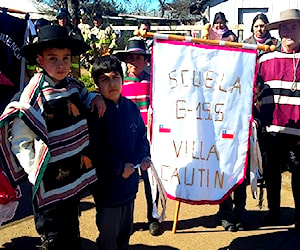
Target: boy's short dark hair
[[106, 64], [146, 22]]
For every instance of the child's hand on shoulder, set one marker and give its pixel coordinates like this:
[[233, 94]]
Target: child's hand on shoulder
[[146, 163], [128, 170], [98, 103]]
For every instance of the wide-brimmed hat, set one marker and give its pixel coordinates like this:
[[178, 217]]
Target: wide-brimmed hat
[[134, 46], [285, 16], [62, 13], [53, 36]]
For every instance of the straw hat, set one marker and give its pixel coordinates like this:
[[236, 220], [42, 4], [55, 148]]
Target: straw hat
[[134, 46], [285, 16], [53, 36]]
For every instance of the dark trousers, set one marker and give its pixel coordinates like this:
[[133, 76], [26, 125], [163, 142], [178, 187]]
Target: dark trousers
[[149, 200], [232, 209], [115, 226], [59, 224], [276, 149]]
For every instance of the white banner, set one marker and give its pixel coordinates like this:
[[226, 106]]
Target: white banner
[[202, 105]]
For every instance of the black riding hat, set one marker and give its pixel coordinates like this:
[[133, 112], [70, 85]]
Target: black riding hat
[[134, 46], [53, 36]]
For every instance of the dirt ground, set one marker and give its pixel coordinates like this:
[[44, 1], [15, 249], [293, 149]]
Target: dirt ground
[[197, 227]]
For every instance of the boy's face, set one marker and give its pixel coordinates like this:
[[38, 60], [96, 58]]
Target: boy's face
[[144, 27], [56, 62], [98, 22], [110, 85], [136, 63], [62, 21]]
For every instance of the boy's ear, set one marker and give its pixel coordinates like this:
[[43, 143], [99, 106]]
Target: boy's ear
[[145, 61], [96, 86], [40, 60]]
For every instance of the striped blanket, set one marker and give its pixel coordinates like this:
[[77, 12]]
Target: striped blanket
[[55, 148]]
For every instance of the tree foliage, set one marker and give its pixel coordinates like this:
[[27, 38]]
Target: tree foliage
[[142, 7], [179, 8], [105, 7]]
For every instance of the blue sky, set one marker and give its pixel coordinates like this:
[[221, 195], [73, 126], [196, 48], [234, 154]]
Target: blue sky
[[150, 4]]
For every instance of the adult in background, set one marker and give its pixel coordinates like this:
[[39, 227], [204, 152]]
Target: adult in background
[[39, 23], [84, 26], [102, 37], [63, 19], [220, 31], [279, 113], [85, 29], [143, 27], [260, 34], [232, 212]]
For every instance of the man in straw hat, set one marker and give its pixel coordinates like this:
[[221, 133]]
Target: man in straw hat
[[44, 134], [280, 112], [136, 87]]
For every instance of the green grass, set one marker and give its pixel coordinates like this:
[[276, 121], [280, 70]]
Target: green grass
[[88, 82]]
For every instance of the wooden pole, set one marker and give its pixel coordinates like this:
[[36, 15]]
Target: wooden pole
[[176, 217], [206, 41], [12, 10]]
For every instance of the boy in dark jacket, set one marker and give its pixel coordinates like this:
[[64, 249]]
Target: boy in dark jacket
[[120, 146]]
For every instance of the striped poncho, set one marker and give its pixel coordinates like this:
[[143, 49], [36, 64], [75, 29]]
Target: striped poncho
[[137, 89], [44, 135], [280, 96]]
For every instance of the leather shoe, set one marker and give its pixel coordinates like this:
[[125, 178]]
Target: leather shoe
[[154, 228], [271, 218], [228, 226], [239, 226]]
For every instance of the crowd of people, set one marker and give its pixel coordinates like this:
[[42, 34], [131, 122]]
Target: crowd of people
[[67, 139]]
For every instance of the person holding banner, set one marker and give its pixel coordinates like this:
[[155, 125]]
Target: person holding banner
[[120, 147], [137, 88], [279, 113], [260, 33], [220, 31], [232, 212], [44, 137]]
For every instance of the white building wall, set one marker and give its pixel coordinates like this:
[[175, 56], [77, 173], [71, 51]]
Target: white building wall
[[231, 10]]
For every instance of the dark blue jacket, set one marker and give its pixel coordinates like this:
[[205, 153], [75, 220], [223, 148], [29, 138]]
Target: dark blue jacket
[[117, 138]]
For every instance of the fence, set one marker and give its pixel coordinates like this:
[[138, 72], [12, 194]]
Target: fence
[[187, 30]]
